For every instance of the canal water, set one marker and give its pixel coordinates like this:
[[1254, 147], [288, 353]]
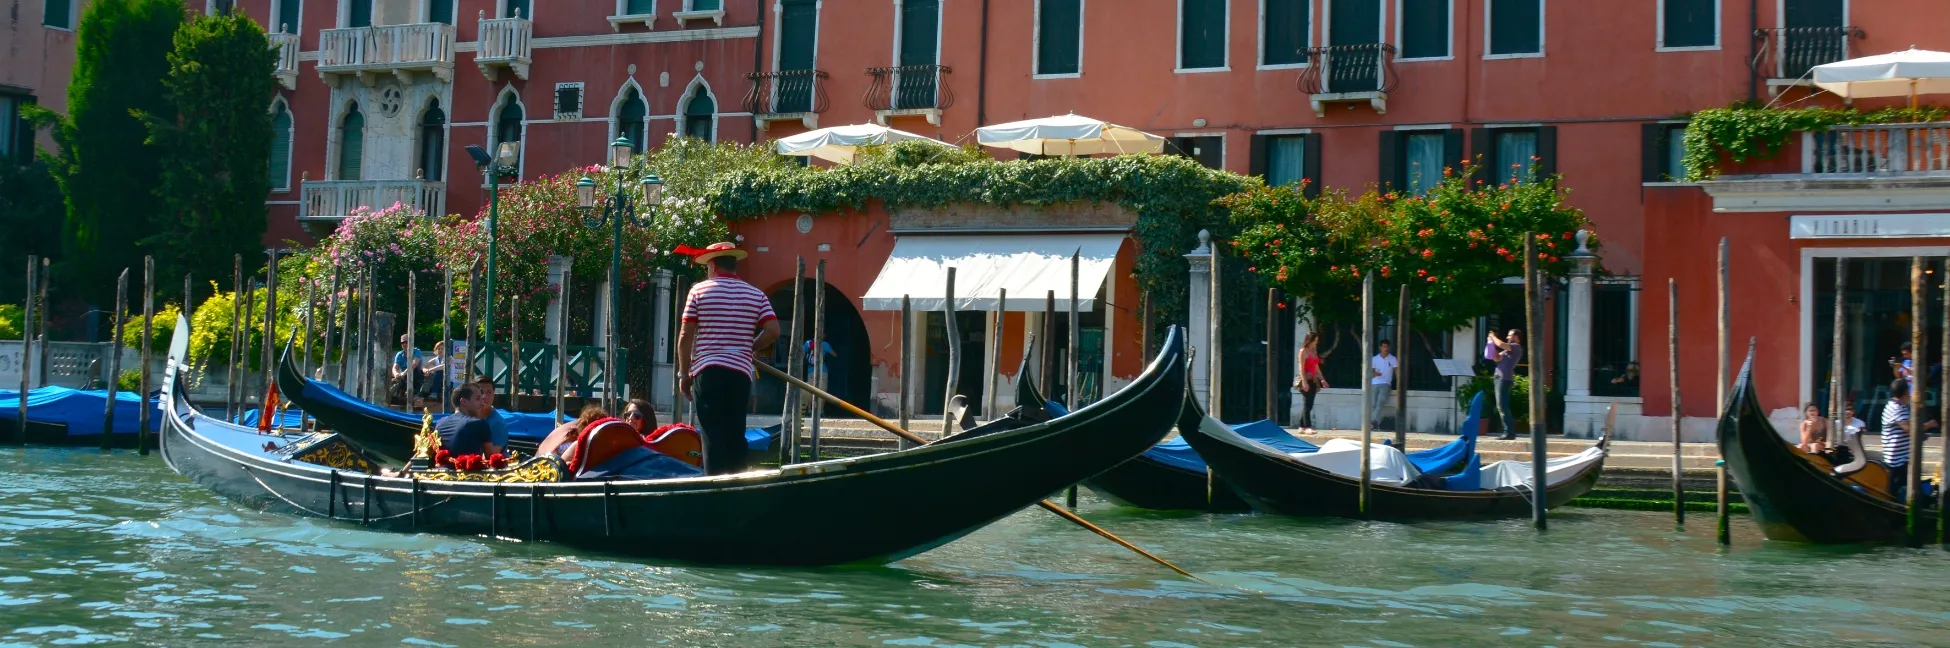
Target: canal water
[[117, 549]]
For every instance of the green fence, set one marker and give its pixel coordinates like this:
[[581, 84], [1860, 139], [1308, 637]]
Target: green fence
[[586, 376]]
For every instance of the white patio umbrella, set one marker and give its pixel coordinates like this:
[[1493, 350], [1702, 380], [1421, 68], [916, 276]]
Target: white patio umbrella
[[1896, 74], [839, 144], [1068, 135]]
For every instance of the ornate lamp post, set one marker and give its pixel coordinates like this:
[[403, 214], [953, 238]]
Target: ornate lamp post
[[621, 207], [503, 162]]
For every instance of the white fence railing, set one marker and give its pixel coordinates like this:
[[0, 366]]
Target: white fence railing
[[505, 41], [413, 46], [287, 48], [1879, 148], [337, 199]]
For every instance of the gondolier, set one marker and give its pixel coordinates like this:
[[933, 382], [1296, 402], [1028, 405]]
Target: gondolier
[[725, 321]]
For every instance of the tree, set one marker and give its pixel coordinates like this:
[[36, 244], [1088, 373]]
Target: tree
[[215, 143], [106, 167], [30, 221]]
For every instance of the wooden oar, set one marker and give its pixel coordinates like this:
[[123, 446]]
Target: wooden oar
[[904, 434]]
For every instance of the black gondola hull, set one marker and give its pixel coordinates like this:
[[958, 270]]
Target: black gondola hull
[[1147, 483]]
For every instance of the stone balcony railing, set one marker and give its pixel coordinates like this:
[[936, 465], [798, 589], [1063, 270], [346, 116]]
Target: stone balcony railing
[[330, 201], [505, 42], [287, 49], [1878, 149], [1862, 168], [400, 50]]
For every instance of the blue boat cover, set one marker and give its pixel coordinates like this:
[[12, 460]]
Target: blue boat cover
[[1470, 479], [1176, 453], [289, 419], [1445, 458], [80, 410], [641, 463]]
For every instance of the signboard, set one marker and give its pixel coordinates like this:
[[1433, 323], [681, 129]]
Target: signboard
[[1869, 226], [1454, 368]]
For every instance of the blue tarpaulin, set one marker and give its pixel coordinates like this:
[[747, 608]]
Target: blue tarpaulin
[[80, 410], [1178, 454], [1438, 460], [287, 419]]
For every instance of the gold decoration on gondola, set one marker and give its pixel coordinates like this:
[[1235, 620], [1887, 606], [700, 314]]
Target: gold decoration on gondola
[[332, 451], [539, 469], [426, 443]]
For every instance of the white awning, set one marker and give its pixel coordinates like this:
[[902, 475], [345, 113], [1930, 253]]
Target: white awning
[[1029, 266]]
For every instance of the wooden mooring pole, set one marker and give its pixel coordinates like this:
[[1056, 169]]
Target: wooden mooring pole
[[353, 291], [114, 359], [998, 321], [473, 309], [26, 346], [447, 367], [1837, 388], [818, 355], [236, 329], [1045, 369], [1272, 359], [1401, 368], [1672, 367], [1943, 401], [562, 352], [1721, 511], [1367, 385], [412, 339], [267, 346], [953, 329], [1533, 305], [1913, 489], [148, 330], [794, 360], [1072, 364], [514, 352], [905, 400], [332, 302]]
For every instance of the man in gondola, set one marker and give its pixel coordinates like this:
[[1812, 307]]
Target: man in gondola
[[465, 431], [726, 321]]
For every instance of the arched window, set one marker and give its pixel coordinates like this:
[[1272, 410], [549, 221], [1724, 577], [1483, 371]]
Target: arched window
[[507, 124], [433, 141], [698, 115], [629, 119], [280, 147], [352, 142]]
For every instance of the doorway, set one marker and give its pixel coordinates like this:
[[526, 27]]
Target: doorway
[[849, 373], [1876, 322]]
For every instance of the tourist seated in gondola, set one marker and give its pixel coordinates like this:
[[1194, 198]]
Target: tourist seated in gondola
[[498, 425], [640, 415], [1814, 429], [558, 440], [466, 431]]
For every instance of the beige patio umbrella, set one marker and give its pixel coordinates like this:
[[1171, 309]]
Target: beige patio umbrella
[[1909, 72], [1068, 135], [840, 144]]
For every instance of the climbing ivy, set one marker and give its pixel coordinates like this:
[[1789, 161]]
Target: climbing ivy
[[1172, 196], [1744, 131]]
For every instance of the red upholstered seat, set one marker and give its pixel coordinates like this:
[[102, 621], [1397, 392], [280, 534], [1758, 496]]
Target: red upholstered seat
[[680, 441], [600, 443]]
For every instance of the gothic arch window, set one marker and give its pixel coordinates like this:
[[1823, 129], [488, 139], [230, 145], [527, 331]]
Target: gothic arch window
[[699, 115], [508, 117], [352, 142], [433, 142], [280, 146], [631, 113]]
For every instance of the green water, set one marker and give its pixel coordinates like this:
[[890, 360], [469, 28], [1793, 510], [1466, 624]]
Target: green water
[[117, 549]]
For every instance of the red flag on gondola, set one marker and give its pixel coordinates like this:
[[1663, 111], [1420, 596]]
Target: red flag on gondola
[[265, 416]]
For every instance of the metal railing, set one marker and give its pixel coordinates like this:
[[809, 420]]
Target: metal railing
[[1788, 52], [337, 199], [418, 45], [1877, 148], [786, 92], [287, 48], [586, 376], [1363, 67], [506, 40], [909, 87]]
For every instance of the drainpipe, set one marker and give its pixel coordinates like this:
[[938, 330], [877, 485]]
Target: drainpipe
[[982, 73], [758, 53], [1753, 48]]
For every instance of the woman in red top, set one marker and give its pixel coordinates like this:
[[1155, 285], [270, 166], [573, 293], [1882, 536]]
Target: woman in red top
[[1310, 380]]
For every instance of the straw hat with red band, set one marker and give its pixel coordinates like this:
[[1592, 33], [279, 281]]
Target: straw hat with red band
[[705, 254]]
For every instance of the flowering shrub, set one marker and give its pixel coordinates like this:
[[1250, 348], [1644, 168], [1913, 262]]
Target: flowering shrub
[[1452, 246], [210, 327]]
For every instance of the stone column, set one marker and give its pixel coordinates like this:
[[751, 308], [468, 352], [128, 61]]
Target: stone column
[[558, 269], [1578, 344], [662, 370], [1199, 317]]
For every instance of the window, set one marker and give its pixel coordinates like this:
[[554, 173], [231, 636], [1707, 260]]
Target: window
[[1516, 27], [1208, 150], [1523, 153], [798, 36], [433, 142], [352, 142], [440, 11], [59, 14], [706, 5], [1059, 37], [568, 101], [1287, 159], [280, 147], [920, 31], [1413, 160], [630, 119], [1355, 58], [699, 117], [1614, 339], [358, 13], [516, 9], [1201, 34], [1689, 24], [1424, 28], [507, 124], [639, 7], [1285, 32], [16, 135], [289, 12], [1664, 152]]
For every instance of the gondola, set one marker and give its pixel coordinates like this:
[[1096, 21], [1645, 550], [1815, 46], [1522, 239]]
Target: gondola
[[1796, 496], [1271, 481], [875, 508]]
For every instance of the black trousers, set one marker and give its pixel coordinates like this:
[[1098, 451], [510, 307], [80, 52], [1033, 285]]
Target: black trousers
[[1899, 482], [1307, 407], [721, 396]]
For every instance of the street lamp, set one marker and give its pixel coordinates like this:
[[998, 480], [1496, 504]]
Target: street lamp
[[621, 207], [503, 162]]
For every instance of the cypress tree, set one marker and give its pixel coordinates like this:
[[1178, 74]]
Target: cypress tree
[[215, 146], [106, 168]]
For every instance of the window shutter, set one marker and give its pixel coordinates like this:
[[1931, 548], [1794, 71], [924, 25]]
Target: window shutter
[[352, 146], [798, 25], [1202, 34], [1285, 37], [281, 151], [1056, 37], [1516, 26], [1652, 152], [1391, 172], [518, 8], [359, 14], [920, 20], [1452, 150], [288, 18], [23, 131], [1482, 153], [1310, 166], [1546, 151], [1425, 28], [57, 14], [641, 7], [1256, 156], [1690, 23], [705, 5]]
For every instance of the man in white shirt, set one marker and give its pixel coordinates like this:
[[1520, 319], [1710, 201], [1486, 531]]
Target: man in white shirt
[[1381, 373]]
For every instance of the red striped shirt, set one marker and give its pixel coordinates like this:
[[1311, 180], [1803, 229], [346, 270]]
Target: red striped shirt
[[728, 312]]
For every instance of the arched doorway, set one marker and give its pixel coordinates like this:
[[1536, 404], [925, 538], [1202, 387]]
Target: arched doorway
[[849, 370]]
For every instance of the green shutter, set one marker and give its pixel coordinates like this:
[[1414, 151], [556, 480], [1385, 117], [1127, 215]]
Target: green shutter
[[1690, 23], [517, 8], [352, 145], [1516, 26], [798, 29], [288, 16], [705, 5], [59, 13], [440, 11], [1057, 30], [281, 150], [359, 14], [920, 25], [1202, 34], [1425, 28], [1285, 40], [1354, 22], [639, 7]]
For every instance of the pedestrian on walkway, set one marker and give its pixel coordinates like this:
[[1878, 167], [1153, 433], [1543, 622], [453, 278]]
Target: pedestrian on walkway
[[1382, 370], [725, 322], [1505, 351], [1310, 380], [1898, 431]]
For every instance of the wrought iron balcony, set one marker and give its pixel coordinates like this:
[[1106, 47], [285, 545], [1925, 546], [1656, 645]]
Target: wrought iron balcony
[[786, 95], [505, 42], [330, 201], [1363, 72], [287, 48], [1785, 54], [400, 50], [909, 90]]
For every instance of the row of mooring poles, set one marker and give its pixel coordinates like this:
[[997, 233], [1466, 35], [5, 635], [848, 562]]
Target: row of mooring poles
[[818, 406], [1071, 364], [116, 320], [148, 329]]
